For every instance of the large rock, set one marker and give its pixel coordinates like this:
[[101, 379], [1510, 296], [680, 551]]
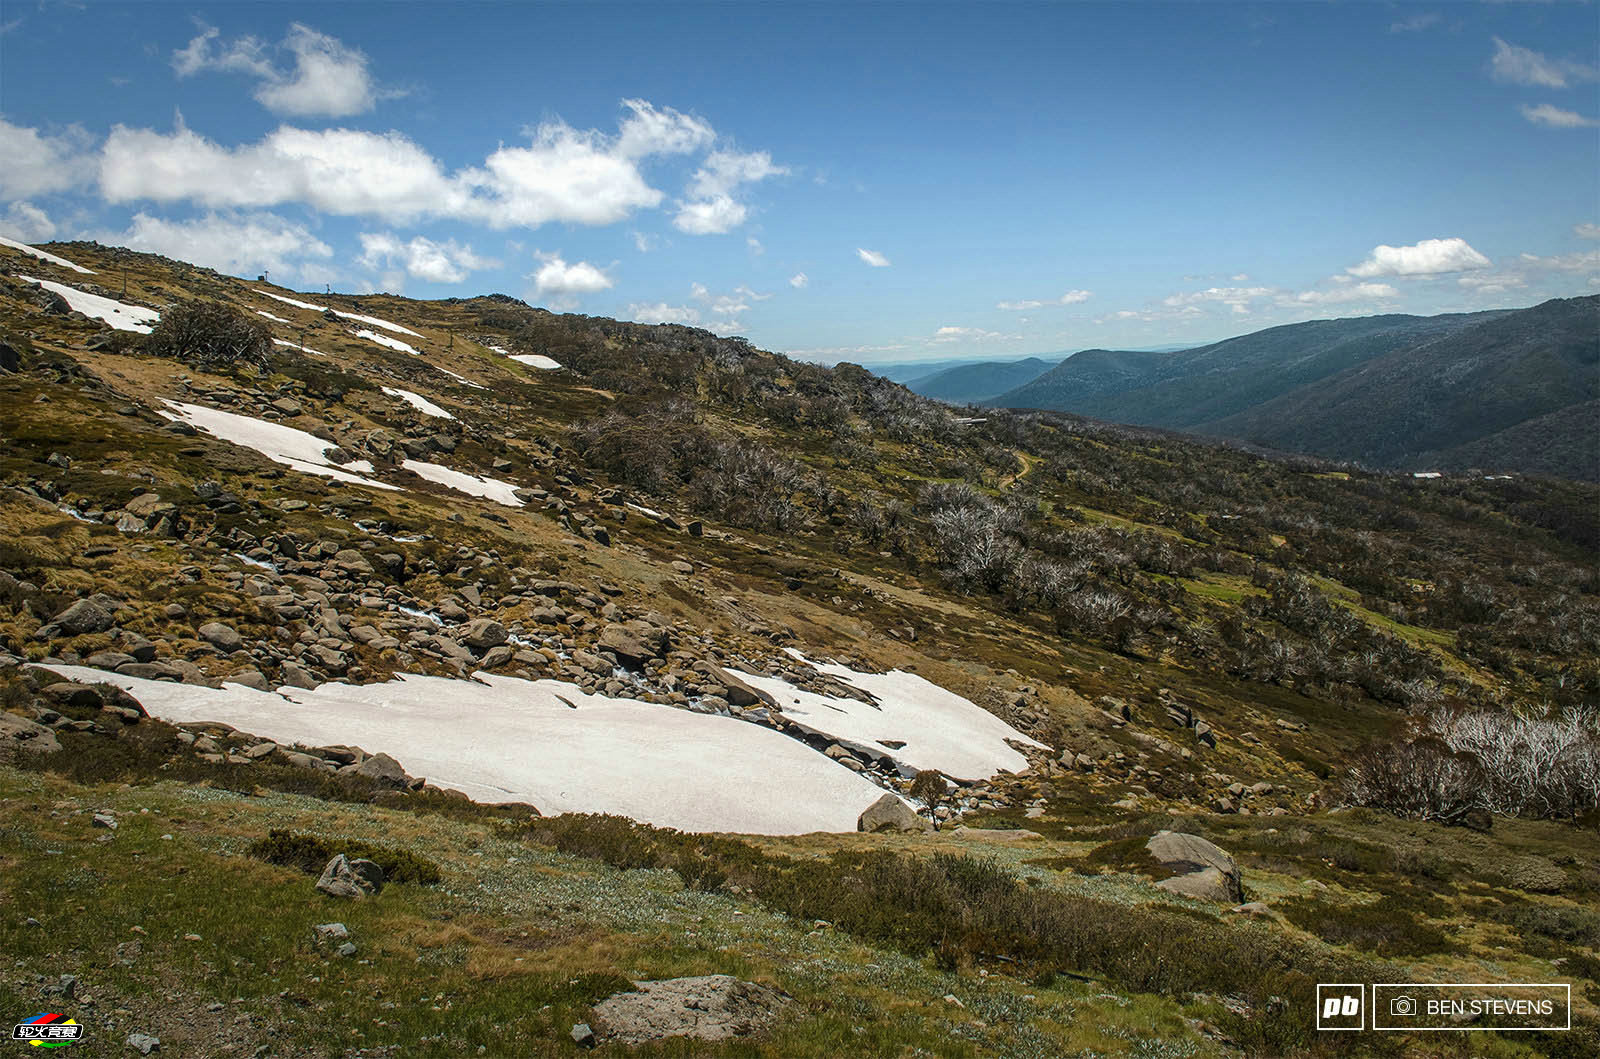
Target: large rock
[[739, 692], [482, 634], [630, 650], [383, 768], [19, 735], [889, 813], [222, 637], [1200, 868], [344, 877], [713, 1007], [83, 617]]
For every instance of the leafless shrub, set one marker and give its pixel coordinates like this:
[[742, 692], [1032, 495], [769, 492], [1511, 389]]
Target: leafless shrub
[[210, 334]]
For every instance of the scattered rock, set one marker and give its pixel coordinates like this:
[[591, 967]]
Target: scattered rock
[[18, 734], [82, 618], [582, 1035], [715, 1007], [143, 1043], [350, 878], [222, 637], [484, 633], [1200, 868], [889, 813], [383, 768]]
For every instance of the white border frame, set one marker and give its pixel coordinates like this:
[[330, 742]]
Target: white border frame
[[1468, 985], [1359, 987]]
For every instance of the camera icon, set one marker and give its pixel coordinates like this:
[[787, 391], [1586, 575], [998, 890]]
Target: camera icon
[[1402, 1005]]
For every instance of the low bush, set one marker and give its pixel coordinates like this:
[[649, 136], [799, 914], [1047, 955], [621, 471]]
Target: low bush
[[962, 911], [1387, 927], [310, 853], [211, 335]]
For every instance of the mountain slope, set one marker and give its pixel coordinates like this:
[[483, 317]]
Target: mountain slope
[[1182, 390], [971, 383], [1391, 391], [1454, 391]]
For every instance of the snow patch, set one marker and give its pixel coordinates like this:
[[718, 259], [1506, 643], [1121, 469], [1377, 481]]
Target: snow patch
[[491, 488], [419, 402], [501, 739], [274, 319], [535, 360], [120, 315], [304, 452], [357, 317], [296, 345], [385, 340], [45, 255], [462, 379], [938, 729]]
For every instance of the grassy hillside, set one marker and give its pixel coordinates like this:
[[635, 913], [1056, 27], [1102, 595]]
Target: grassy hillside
[[1206, 639]]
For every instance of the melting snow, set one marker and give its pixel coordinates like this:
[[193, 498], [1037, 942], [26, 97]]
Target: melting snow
[[357, 317], [296, 345], [535, 360], [548, 743], [120, 315], [492, 488], [274, 319], [286, 445], [419, 402], [462, 379], [44, 255], [532, 360], [939, 729], [385, 340]]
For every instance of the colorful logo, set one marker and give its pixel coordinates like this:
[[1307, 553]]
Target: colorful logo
[[48, 1030]]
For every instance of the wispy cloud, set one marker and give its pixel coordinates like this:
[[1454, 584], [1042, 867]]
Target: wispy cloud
[[1071, 297], [328, 79], [873, 258], [1416, 23], [1524, 66], [1554, 117], [799, 280]]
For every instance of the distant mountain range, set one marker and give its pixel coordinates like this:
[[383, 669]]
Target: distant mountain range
[[972, 383], [1514, 389]]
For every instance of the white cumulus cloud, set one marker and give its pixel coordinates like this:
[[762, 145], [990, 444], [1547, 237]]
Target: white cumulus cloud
[[1430, 257], [873, 258], [799, 280], [423, 258], [38, 163], [711, 208], [662, 313], [1586, 230], [328, 79], [562, 175], [1554, 117], [562, 282], [27, 223], [238, 244]]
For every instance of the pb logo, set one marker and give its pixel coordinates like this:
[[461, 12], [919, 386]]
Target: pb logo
[[1339, 1007]]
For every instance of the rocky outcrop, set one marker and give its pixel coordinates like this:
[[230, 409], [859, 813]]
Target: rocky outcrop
[[889, 813], [1200, 868], [714, 1007], [344, 877]]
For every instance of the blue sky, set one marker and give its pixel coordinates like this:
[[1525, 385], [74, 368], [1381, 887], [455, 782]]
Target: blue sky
[[861, 182]]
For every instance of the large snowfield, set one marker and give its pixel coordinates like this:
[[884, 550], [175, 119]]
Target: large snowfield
[[120, 315], [45, 255], [939, 729], [286, 445], [501, 739]]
